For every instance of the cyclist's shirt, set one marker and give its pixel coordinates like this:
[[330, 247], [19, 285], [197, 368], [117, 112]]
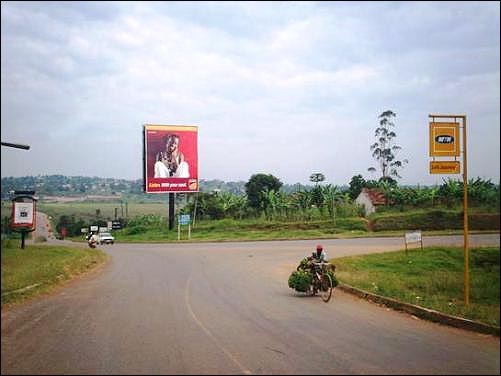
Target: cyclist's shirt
[[320, 258]]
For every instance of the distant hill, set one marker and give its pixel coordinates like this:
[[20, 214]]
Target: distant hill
[[49, 186]]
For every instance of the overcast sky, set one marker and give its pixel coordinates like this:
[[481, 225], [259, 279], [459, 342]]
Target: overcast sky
[[286, 88]]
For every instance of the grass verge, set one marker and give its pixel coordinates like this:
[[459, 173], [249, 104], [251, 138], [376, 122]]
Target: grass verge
[[38, 269], [432, 278]]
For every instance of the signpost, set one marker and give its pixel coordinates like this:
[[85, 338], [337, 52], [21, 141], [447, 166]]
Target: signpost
[[444, 142], [413, 237], [183, 219], [23, 217]]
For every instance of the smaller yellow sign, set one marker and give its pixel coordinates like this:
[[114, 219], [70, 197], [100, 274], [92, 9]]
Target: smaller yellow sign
[[444, 139], [444, 167]]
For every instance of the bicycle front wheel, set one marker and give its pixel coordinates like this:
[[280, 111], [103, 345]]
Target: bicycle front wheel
[[326, 287]]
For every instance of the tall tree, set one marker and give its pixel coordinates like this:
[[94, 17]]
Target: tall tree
[[384, 150], [317, 196], [317, 177], [259, 183]]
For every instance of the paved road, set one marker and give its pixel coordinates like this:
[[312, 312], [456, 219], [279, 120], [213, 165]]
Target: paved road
[[43, 227], [225, 308]]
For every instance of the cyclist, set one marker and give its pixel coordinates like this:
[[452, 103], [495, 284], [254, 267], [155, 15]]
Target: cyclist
[[319, 255]]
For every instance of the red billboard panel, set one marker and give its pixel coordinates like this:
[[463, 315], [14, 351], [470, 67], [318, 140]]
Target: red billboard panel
[[170, 158]]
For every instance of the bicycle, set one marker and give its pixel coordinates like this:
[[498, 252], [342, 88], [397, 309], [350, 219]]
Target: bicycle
[[322, 281]]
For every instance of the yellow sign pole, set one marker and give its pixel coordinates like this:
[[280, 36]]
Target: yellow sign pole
[[465, 218], [466, 278]]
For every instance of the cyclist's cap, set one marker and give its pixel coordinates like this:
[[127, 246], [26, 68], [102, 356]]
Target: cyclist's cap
[[319, 247]]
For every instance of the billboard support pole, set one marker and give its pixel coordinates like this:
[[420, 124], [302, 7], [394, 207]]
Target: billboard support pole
[[171, 210]]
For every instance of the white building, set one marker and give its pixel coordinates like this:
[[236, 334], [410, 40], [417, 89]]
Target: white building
[[370, 198]]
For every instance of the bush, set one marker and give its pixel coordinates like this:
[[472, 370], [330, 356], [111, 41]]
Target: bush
[[436, 220], [137, 229], [9, 243], [300, 280]]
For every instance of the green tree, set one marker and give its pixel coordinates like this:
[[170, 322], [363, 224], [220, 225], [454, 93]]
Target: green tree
[[384, 150], [259, 183], [317, 177], [317, 195], [357, 182]]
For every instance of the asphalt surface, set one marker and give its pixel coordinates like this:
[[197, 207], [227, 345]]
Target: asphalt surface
[[225, 308]]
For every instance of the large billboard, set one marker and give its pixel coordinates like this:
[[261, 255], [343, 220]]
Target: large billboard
[[170, 158]]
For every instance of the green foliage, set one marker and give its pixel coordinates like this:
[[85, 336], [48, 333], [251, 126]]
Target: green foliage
[[72, 225], [304, 264], [317, 177], [357, 182], [41, 268], [217, 205], [317, 197], [259, 183], [483, 192], [6, 225], [450, 192], [136, 230], [432, 278], [9, 243], [300, 280], [434, 220], [145, 223]]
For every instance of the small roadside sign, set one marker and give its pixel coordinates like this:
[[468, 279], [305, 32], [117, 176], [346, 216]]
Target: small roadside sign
[[184, 219], [413, 237], [444, 167], [116, 225]]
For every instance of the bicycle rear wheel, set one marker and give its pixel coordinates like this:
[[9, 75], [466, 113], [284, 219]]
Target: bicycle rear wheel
[[326, 287]]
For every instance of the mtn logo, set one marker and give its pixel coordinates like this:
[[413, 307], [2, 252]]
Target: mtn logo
[[444, 139]]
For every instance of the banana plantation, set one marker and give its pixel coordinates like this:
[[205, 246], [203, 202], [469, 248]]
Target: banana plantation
[[327, 201]]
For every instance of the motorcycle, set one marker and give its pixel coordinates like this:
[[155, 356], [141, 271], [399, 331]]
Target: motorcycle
[[92, 242]]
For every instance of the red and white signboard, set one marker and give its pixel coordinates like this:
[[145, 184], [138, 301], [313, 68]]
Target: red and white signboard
[[23, 214], [170, 158]]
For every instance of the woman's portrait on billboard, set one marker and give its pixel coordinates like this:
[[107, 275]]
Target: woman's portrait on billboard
[[170, 161]]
